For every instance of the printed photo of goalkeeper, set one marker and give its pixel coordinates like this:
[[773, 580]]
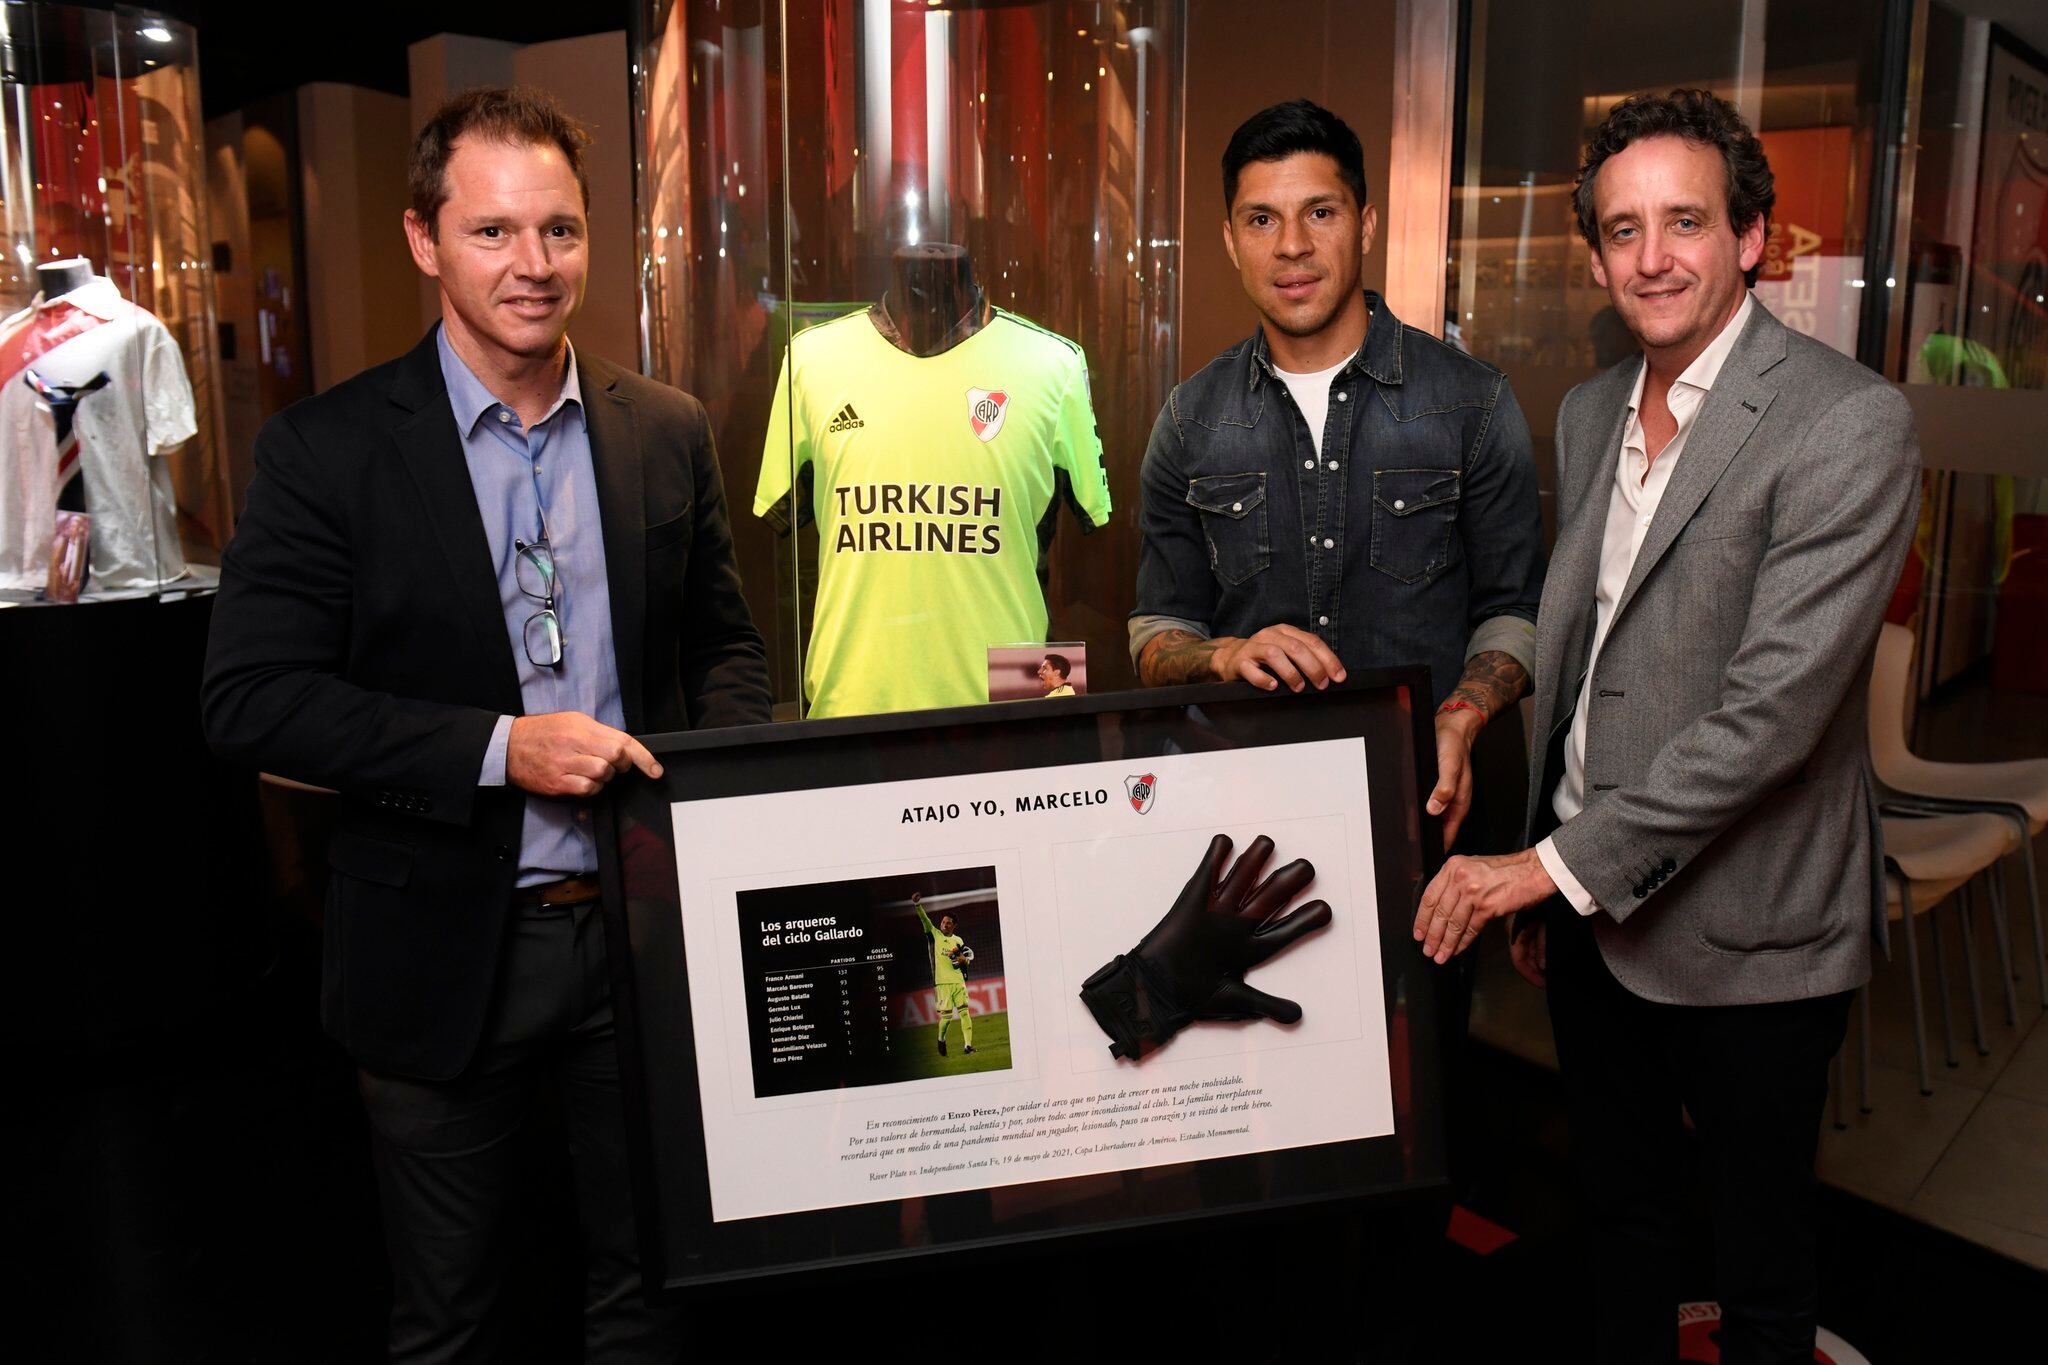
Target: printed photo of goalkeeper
[[959, 929], [874, 980], [950, 958]]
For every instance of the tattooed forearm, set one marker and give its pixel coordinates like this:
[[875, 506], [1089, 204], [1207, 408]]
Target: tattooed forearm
[[1177, 656], [1493, 681]]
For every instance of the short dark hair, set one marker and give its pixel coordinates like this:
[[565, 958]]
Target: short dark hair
[[1701, 118], [1060, 664], [1284, 129], [505, 113]]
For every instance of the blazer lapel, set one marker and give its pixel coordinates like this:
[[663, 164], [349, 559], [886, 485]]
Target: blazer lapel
[[433, 456], [621, 502], [1566, 616], [1733, 407]]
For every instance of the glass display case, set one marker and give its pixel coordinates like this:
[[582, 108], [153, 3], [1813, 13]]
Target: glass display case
[[1520, 293], [114, 482], [920, 261]]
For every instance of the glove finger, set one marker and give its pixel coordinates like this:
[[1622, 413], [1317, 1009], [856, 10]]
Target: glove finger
[[1280, 888], [1201, 887], [1245, 875], [1240, 1001], [1283, 932]]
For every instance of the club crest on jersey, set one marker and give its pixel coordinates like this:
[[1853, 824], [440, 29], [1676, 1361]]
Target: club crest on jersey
[[1141, 790], [985, 409]]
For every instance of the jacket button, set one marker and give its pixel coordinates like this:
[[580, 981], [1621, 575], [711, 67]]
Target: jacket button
[[1641, 890], [1669, 867], [504, 853]]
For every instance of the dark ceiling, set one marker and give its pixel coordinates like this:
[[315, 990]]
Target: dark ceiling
[[247, 51]]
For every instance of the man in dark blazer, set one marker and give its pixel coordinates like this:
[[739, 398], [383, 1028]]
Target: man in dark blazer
[[462, 579], [1734, 506]]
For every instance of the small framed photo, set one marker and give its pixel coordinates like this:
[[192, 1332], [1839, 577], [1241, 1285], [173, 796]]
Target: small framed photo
[[1028, 672]]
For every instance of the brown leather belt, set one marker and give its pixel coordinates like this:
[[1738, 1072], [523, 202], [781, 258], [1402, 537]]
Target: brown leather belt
[[557, 895]]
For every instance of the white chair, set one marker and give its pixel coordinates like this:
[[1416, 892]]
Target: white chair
[[2015, 791], [1926, 860]]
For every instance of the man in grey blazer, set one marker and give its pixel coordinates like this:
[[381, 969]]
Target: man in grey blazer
[[1704, 887]]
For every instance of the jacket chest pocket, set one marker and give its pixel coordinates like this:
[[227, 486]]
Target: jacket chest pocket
[[1413, 514], [1233, 508]]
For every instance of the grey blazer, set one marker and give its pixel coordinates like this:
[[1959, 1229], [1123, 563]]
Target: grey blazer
[[1730, 832]]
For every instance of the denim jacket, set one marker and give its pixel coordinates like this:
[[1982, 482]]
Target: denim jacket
[[1415, 536]]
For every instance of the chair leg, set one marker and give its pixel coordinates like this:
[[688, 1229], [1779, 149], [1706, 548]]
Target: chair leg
[[1965, 904], [1913, 984], [2034, 903], [1948, 1026], [2001, 932], [1863, 1048]]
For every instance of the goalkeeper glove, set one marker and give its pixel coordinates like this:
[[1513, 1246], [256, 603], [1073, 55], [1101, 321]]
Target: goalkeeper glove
[[1192, 965]]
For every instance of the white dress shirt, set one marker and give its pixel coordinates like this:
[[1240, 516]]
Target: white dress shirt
[[1639, 484]]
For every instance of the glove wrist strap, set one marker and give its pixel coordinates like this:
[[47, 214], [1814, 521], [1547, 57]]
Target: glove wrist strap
[[1131, 1004]]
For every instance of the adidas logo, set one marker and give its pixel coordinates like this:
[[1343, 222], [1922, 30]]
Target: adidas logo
[[846, 419]]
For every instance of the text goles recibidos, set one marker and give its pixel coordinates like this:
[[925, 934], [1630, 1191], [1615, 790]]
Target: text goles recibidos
[[919, 518], [820, 929], [1026, 804]]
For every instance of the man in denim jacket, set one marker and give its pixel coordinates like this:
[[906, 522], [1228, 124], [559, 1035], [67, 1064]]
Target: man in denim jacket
[[1339, 489]]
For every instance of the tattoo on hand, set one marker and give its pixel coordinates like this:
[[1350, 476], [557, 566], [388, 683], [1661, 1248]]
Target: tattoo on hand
[[1177, 656], [1492, 681]]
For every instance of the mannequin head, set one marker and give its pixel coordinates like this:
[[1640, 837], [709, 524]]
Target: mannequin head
[[58, 278], [932, 292]]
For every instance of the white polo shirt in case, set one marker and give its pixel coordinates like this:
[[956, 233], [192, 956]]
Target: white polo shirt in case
[[1639, 484], [145, 410]]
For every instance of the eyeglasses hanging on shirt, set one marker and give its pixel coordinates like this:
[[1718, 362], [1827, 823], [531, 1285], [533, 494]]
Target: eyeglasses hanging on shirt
[[537, 580], [536, 574]]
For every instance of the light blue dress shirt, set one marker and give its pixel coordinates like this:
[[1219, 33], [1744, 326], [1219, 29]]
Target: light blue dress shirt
[[517, 472]]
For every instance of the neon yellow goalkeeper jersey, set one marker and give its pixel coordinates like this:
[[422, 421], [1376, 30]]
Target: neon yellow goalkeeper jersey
[[933, 484], [945, 972]]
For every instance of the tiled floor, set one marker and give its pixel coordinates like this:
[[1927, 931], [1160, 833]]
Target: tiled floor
[[1972, 1158]]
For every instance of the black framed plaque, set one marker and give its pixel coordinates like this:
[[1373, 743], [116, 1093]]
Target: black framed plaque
[[812, 924]]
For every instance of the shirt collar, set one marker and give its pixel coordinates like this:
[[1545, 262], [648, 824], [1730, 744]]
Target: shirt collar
[[471, 400], [98, 298], [1379, 356], [1706, 366]]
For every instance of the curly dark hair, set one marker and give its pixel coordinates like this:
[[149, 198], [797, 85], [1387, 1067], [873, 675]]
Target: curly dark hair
[[1700, 117], [515, 114]]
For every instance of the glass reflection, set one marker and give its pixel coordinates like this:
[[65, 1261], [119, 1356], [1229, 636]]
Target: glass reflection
[[791, 151], [102, 206]]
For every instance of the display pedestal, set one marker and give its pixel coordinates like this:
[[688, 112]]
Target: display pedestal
[[145, 854]]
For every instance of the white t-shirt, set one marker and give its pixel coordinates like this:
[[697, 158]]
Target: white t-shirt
[[145, 410], [1312, 395]]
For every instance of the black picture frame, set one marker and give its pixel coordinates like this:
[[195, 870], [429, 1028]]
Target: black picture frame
[[684, 1249]]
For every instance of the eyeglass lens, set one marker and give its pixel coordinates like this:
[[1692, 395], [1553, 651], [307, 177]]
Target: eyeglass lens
[[536, 571], [544, 639]]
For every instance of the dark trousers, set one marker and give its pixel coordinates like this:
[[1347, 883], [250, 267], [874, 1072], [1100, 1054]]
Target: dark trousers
[[1754, 1079], [448, 1168]]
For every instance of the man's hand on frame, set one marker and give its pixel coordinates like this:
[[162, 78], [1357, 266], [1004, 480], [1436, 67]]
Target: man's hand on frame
[[1466, 893], [1452, 796], [1279, 656], [566, 753]]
